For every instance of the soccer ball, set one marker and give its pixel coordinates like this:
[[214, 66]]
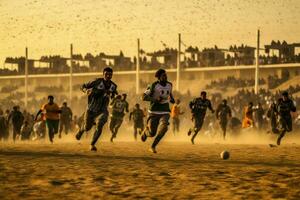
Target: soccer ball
[[225, 155]]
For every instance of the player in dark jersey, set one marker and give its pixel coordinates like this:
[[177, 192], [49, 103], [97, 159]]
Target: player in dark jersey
[[222, 113], [138, 120], [198, 107], [65, 119], [119, 107], [159, 94], [99, 91], [272, 114], [284, 109], [17, 119]]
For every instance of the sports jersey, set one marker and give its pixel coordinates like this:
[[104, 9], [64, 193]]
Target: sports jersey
[[199, 106], [157, 91], [175, 111], [285, 108], [248, 117], [51, 111], [223, 111], [119, 106], [137, 115], [101, 92], [66, 113]]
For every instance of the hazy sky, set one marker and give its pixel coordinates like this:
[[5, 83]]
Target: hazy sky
[[49, 26]]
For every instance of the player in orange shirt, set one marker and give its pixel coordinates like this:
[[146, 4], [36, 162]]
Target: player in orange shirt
[[51, 112], [248, 116], [175, 113]]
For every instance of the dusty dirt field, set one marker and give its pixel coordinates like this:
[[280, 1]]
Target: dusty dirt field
[[127, 170]]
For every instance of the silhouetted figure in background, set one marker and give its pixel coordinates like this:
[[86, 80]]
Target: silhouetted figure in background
[[260, 116], [3, 126], [137, 115], [222, 113], [175, 113], [119, 107], [17, 119], [65, 119], [198, 108], [51, 112]]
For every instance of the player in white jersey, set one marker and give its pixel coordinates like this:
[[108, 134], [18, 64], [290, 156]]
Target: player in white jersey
[[159, 94]]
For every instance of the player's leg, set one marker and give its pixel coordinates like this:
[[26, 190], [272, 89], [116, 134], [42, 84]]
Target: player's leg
[[119, 122], [286, 124], [101, 122], [55, 126], [14, 132], [283, 129], [191, 130], [67, 127], [223, 124], [61, 124], [135, 130], [174, 125], [178, 125], [112, 125], [50, 130], [87, 124], [151, 128], [197, 126], [161, 130]]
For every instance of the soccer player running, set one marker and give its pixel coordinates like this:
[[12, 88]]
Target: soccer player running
[[175, 113], [138, 120], [248, 116], [222, 113], [65, 119], [99, 91], [17, 119], [198, 107], [119, 107], [159, 94], [284, 109], [51, 112]]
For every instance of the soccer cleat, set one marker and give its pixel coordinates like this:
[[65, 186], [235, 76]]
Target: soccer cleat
[[192, 140], [189, 132], [112, 139], [78, 136], [93, 148], [279, 141], [153, 150], [272, 145], [59, 136]]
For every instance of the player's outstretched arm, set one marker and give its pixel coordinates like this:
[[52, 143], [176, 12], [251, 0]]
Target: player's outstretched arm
[[172, 100], [37, 115]]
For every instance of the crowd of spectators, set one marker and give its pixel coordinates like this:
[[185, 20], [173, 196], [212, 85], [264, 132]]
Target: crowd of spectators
[[232, 82]]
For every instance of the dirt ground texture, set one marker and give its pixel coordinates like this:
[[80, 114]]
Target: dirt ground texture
[[128, 170]]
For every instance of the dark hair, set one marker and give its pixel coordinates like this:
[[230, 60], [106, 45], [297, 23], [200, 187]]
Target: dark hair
[[285, 94], [108, 69], [50, 97], [159, 72], [203, 93]]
